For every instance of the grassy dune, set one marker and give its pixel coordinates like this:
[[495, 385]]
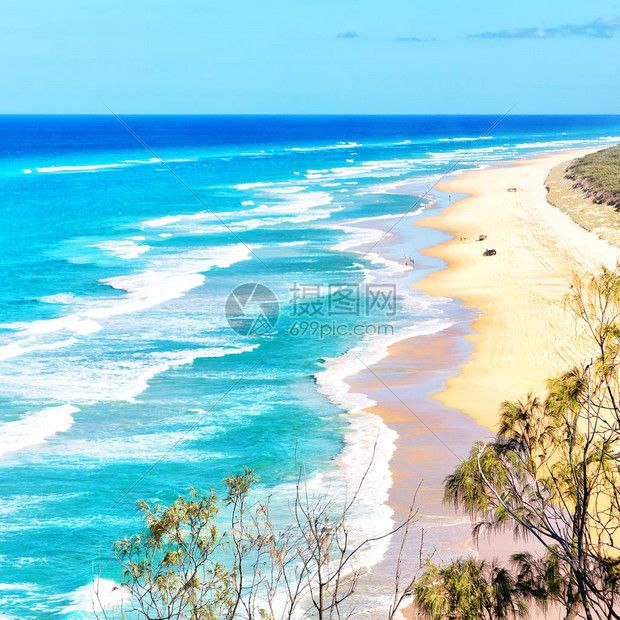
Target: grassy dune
[[598, 176], [588, 190]]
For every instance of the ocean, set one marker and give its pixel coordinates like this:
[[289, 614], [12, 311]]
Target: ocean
[[183, 297]]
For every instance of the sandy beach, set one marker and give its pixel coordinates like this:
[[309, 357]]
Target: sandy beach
[[441, 392], [523, 334]]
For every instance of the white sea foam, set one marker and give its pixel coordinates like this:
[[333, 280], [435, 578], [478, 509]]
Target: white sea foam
[[367, 434], [387, 216], [79, 168], [244, 186], [127, 248], [141, 382], [99, 451], [379, 168], [297, 207], [30, 345], [102, 379], [59, 298], [157, 364], [155, 160], [466, 139], [285, 188], [35, 427], [94, 167], [166, 279], [461, 154], [340, 145], [166, 220], [357, 237], [13, 505], [565, 143], [73, 323], [390, 267], [97, 597], [17, 586], [297, 204], [419, 186], [142, 161], [318, 214]]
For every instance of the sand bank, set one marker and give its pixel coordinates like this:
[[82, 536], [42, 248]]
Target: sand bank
[[523, 333], [441, 392]]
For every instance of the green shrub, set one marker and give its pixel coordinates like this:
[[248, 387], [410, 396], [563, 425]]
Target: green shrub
[[598, 175]]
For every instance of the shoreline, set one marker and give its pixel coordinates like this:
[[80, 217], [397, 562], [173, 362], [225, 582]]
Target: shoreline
[[353, 382], [522, 334], [451, 383]]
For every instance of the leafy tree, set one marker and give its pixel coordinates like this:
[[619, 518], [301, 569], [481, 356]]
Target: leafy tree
[[552, 472], [469, 590], [171, 570], [182, 568]]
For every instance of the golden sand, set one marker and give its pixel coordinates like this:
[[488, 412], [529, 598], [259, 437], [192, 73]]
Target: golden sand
[[523, 334], [521, 337]]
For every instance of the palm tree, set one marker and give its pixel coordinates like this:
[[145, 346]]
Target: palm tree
[[469, 589]]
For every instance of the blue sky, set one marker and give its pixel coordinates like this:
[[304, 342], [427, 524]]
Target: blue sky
[[310, 56]]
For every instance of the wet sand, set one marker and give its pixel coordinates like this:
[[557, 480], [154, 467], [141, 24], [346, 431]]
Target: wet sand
[[441, 392]]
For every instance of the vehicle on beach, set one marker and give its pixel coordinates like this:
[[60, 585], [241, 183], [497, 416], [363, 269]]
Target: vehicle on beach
[[489, 253], [511, 189], [482, 237]]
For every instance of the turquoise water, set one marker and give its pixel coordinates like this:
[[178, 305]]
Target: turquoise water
[[120, 376]]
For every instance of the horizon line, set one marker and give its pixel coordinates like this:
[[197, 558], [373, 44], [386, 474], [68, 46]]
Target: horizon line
[[311, 114]]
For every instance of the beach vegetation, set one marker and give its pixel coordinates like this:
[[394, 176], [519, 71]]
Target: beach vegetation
[[469, 589], [183, 567], [171, 569], [552, 475], [598, 175]]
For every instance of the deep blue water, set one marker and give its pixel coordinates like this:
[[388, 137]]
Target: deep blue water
[[115, 351]]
